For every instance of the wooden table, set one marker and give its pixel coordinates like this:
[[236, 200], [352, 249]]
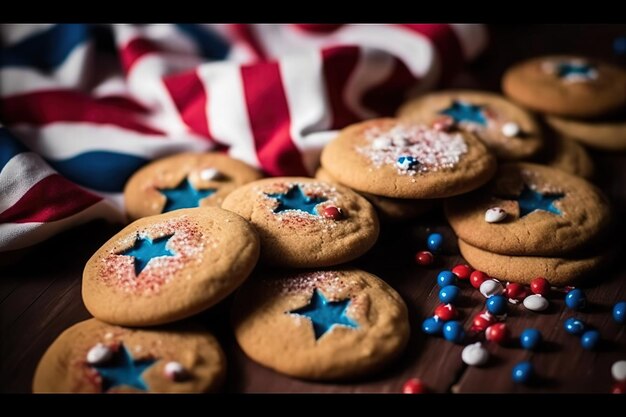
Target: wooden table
[[40, 296]]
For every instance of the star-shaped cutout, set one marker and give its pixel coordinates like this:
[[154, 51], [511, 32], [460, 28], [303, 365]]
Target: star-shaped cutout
[[531, 200], [124, 370], [576, 70], [295, 199], [144, 249], [183, 196], [465, 112], [325, 314]]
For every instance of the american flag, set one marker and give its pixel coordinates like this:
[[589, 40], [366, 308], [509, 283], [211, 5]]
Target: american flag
[[83, 106]]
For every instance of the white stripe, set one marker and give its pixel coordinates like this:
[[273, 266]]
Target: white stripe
[[19, 174], [227, 110], [20, 235], [309, 109], [73, 72], [473, 39], [64, 140], [15, 32]]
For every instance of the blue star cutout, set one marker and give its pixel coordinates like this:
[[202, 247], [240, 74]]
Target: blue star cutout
[[124, 371], [568, 69], [145, 249], [465, 112], [530, 200], [295, 199], [325, 314], [183, 196]]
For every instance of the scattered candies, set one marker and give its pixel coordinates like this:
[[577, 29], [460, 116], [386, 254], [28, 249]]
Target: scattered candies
[[406, 162], [462, 271], [477, 278], [481, 321], [522, 372], [497, 305], [446, 277], [619, 312], [449, 293], [530, 339], [540, 286], [495, 215], [414, 386], [515, 292], [497, 333], [589, 340], [536, 302], [99, 354], [575, 299], [574, 326], [432, 325], [475, 354], [490, 288], [510, 129], [424, 258], [434, 242], [175, 371], [618, 370], [453, 332], [332, 212], [446, 312]]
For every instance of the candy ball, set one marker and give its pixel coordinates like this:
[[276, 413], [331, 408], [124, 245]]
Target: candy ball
[[475, 354], [619, 312], [497, 305], [589, 340], [497, 333], [406, 162], [332, 212], [99, 354], [424, 258], [449, 293], [477, 278], [495, 215], [530, 339], [536, 302], [619, 388], [446, 312], [575, 299], [175, 371], [515, 291], [574, 326], [462, 271], [434, 242], [432, 325], [540, 286], [522, 372], [446, 277], [413, 386], [618, 370], [490, 288], [481, 321], [510, 129], [453, 332]]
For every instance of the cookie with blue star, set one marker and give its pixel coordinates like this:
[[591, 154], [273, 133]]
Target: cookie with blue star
[[567, 86], [531, 210], [321, 324], [306, 223], [164, 268], [510, 131], [96, 357], [184, 180]]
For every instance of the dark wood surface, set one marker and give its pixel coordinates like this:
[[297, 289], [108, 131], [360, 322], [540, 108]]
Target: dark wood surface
[[40, 295]]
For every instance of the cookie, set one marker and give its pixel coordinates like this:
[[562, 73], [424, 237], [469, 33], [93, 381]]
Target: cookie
[[389, 209], [566, 85], [164, 268], [507, 129], [93, 357], [321, 325], [546, 212], [569, 156], [606, 134], [186, 180], [559, 271], [303, 222], [400, 159]]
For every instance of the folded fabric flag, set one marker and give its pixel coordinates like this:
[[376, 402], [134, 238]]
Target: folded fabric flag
[[84, 106]]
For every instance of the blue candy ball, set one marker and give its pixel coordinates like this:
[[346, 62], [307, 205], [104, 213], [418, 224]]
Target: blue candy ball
[[589, 340], [575, 299], [619, 312], [619, 45], [446, 278], [432, 325], [496, 304], [434, 242], [449, 294], [574, 326], [522, 372], [453, 331], [530, 339]]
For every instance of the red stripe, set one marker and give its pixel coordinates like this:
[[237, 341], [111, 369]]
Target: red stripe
[[338, 65], [318, 28], [447, 43], [52, 198], [269, 119], [45, 107], [136, 49], [244, 33], [191, 99], [387, 96]]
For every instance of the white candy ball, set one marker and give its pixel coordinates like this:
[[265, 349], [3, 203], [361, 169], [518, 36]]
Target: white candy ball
[[475, 354], [209, 174], [536, 302], [495, 215], [618, 370], [510, 129], [99, 354], [175, 371], [490, 288]]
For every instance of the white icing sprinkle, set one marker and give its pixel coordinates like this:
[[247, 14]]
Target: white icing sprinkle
[[99, 354]]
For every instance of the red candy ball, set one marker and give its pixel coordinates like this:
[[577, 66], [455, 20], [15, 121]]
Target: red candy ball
[[414, 386], [333, 212], [477, 278], [446, 312], [619, 388], [515, 291], [481, 321], [540, 286], [462, 271], [424, 258], [497, 333]]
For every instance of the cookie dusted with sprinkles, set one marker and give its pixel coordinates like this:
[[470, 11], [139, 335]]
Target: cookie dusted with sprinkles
[[303, 222], [185, 180], [95, 357], [548, 212], [507, 129], [401, 159], [320, 324], [164, 268]]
